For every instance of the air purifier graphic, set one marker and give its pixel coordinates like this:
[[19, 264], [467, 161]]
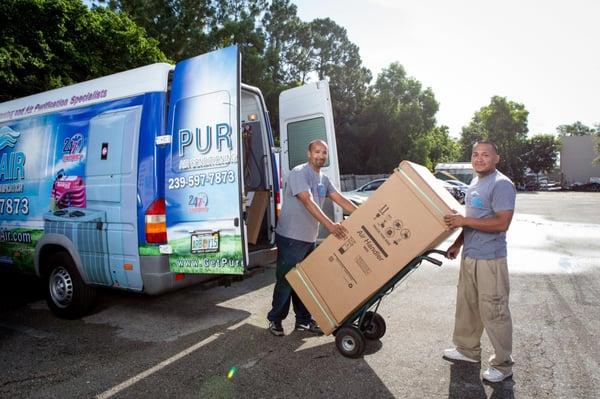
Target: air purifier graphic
[[86, 228]]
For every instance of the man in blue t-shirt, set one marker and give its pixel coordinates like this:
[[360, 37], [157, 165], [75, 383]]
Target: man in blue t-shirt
[[483, 287], [297, 230]]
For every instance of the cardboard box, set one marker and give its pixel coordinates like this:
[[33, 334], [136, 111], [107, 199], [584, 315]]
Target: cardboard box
[[256, 213], [400, 221]]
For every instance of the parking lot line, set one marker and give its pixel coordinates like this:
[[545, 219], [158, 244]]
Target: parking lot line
[[126, 384]]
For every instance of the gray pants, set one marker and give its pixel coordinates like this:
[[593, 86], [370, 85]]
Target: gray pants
[[482, 302]]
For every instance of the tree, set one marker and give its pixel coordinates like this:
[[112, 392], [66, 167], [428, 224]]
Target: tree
[[287, 53], [542, 153], [47, 44], [288, 49], [439, 146], [181, 27], [505, 123], [337, 59], [576, 129], [186, 28], [394, 125]]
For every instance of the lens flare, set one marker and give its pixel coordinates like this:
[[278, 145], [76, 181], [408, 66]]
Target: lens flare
[[231, 373]]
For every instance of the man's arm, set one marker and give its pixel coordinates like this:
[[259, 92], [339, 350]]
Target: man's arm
[[452, 251], [496, 224], [342, 201], [311, 206]]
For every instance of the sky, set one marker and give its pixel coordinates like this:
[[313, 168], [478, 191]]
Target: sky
[[544, 54]]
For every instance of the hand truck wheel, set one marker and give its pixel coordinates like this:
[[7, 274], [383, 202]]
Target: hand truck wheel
[[373, 326], [350, 342]]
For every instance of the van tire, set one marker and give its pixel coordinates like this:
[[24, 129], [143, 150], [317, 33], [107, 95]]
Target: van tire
[[67, 295]]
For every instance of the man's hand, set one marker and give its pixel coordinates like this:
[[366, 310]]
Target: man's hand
[[337, 230], [452, 251], [454, 220]]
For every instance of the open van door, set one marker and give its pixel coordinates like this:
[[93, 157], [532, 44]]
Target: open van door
[[305, 114], [203, 186]]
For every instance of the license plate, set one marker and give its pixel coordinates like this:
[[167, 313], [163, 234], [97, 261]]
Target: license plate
[[205, 242]]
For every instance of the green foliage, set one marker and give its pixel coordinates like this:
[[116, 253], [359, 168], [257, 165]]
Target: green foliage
[[397, 123], [505, 123], [376, 125], [180, 26], [287, 53], [440, 147], [288, 50], [47, 44], [542, 153], [577, 129]]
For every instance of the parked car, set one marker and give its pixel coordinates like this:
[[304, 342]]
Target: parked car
[[548, 185], [457, 183], [361, 194], [457, 188], [458, 191]]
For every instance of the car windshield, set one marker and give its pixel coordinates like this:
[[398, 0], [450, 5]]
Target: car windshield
[[374, 185]]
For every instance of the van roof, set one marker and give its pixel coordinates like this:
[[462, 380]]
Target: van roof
[[146, 79]]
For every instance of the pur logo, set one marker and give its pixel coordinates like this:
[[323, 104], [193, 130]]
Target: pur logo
[[220, 137], [12, 163]]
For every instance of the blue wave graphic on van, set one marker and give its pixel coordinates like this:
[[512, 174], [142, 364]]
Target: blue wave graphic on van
[[8, 137]]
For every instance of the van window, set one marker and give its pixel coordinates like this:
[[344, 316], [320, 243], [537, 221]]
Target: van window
[[300, 134]]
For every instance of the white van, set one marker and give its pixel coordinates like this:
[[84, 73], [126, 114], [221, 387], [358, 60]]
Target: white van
[[149, 179]]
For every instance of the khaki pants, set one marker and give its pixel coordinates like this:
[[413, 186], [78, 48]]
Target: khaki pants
[[482, 302]]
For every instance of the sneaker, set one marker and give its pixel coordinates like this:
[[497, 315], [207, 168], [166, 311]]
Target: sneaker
[[311, 327], [494, 375], [454, 354], [276, 328]]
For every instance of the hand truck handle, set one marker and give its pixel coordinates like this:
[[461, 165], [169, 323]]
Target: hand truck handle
[[433, 260]]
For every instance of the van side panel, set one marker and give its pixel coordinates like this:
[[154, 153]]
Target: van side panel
[[111, 178], [73, 174]]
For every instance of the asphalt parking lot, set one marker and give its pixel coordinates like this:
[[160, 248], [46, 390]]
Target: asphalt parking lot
[[211, 341]]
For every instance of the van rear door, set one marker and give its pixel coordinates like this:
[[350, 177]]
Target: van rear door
[[205, 230], [305, 114]]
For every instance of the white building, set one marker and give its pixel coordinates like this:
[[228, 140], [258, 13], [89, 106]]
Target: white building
[[576, 160]]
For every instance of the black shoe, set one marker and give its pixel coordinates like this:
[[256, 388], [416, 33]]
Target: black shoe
[[311, 327], [275, 328]]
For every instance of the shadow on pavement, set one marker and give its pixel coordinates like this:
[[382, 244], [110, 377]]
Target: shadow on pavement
[[130, 334], [249, 362], [466, 383], [19, 289]]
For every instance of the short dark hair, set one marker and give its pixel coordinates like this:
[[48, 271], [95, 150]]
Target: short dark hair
[[488, 142], [315, 142]]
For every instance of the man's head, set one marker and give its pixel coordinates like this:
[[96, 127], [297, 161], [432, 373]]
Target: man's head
[[484, 157], [317, 154]]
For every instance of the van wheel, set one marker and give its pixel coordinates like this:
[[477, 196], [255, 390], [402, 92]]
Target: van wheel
[[67, 296]]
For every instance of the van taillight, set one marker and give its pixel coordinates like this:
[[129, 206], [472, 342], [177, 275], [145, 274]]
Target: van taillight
[[277, 203], [156, 222]]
